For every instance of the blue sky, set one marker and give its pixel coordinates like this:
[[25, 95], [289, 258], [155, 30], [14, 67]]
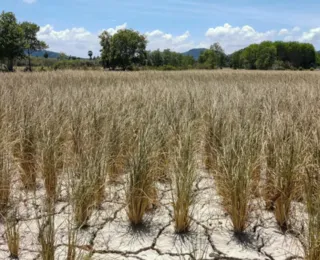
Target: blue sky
[[73, 26]]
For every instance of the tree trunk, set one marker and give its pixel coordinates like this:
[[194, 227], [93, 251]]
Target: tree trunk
[[10, 65], [29, 63], [29, 60]]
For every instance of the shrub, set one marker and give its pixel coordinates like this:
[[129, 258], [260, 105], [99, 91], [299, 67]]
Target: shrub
[[168, 68]]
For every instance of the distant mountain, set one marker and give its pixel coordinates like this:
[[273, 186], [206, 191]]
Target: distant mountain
[[52, 54], [195, 53]]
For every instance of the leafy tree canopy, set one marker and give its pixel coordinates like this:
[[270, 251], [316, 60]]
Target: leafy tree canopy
[[123, 49]]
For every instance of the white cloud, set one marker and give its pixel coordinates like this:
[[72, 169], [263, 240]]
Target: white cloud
[[312, 36], [296, 29], [160, 40], [112, 31], [234, 38], [74, 41], [29, 1], [283, 32]]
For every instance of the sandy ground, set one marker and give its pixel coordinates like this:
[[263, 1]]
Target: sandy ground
[[109, 235]]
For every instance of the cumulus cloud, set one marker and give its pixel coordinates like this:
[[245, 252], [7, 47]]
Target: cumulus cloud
[[112, 31], [234, 38], [29, 1], [283, 32], [313, 36], [296, 29], [160, 40], [74, 41]]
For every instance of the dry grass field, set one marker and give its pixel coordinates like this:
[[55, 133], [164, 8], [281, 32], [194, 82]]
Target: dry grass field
[[160, 165]]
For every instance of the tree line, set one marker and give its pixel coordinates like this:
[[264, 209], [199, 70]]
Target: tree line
[[126, 50], [275, 55]]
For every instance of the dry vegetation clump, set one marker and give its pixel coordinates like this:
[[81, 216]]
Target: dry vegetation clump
[[24, 149], [234, 174], [12, 236], [77, 137], [312, 198], [88, 166], [51, 148], [288, 167], [141, 180], [46, 236], [184, 177], [5, 181]]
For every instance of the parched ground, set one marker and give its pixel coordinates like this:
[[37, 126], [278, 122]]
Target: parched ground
[[109, 236]]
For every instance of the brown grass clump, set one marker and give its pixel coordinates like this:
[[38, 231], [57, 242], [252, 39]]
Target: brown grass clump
[[51, 149], [184, 177], [289, 160], [24, 151], [5, 183], [140, 185], [12, 236], [115, 151], [46, 235], [237, 160], [269, 192], [312, 198]]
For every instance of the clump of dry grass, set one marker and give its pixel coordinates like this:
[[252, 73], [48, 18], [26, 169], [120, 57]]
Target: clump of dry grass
[[214, 123], [46, 235], [312, 198], [115, 151], [313, 208], [5, 182], [89, 164], [184, 177], [12, 235], [269, 192], [163, 157], [24, 151], [141, 180], [289, 159], [234, 175], [51, 146]]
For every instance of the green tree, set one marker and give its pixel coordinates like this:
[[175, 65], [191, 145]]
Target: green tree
[[105, 42], [266, 56], [31, 43], [220, 55], [11, 39], [236, 61], [208, 59], [46, 55], [123, 49], [63, 56], [90, 53], [249, 56], [318, 59], [156, 58]]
